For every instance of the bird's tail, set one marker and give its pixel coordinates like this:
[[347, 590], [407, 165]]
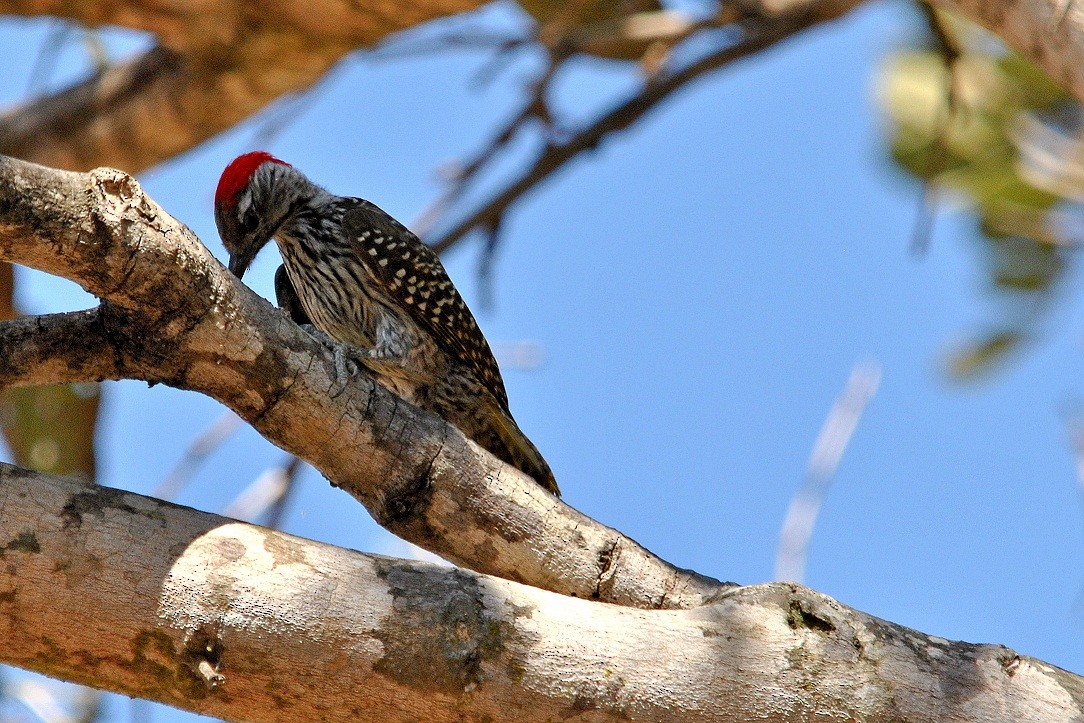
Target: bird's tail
[[517, 450]]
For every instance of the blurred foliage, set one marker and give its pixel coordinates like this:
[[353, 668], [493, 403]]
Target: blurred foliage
[[50, 429], [984, 127]]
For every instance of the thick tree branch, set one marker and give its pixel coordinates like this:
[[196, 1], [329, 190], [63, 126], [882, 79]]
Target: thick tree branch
[[156, 106], [172, 314], [57, 349], [218, 63], [197, 611], [186, 26]]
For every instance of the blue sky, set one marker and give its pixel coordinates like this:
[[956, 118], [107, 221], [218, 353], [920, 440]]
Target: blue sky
[[701, 286]]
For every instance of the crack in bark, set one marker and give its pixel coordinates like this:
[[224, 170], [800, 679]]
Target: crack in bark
[[277, 397], [406, 505], [107, 314], [607, 567]]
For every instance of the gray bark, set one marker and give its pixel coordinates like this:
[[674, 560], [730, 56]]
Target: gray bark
[[211, 615], [155, 600]]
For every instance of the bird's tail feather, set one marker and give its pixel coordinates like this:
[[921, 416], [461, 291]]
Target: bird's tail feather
[[519, 451]]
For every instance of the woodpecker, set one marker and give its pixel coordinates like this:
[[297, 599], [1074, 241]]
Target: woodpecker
[[365, 281]]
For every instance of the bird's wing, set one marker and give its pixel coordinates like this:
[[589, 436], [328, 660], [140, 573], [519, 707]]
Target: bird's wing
[[415, 278], [287, 297]]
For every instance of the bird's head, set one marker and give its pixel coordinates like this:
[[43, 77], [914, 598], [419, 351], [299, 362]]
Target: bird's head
[[244, 211]]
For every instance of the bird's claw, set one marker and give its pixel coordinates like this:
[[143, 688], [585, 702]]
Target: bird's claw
[[346, 366]]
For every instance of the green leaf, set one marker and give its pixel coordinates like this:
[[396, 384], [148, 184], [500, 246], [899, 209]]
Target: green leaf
[[978, 357]]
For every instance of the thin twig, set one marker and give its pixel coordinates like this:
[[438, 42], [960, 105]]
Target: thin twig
[[40, 699], [564, 41], [478, 39], [277, 510], [535, 109], [951, 51], [828, 450], [200, 448], [668, 27], [265, 493], [1060, 14], [50, 705], [45, 63], [757, 36], [96, 49], [1074, 424], [924, 221], [485, 264]]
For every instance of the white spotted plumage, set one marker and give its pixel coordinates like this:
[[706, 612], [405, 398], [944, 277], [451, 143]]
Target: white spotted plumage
[[365, 280]]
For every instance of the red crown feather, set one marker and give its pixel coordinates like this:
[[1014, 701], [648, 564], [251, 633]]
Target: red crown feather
[[237, 174]]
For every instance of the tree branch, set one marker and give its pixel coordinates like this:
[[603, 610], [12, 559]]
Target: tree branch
[[57, 349], [1049, 33], [218, 63], [758, 32], [172, 314], [159, 601]]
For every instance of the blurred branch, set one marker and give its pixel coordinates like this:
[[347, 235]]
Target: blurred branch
[[406, 46], [144, 111], [925, 218], [832, 442], [951, 52], [40, 697], [756, 34], [48, 54], [534, 110], [268, 494], [1049, 33], [217, 64], [992, 131], [292, 474], [949, 47], [201, 447], [1074, 424]]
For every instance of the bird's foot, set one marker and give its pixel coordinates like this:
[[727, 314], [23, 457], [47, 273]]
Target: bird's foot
[[346, 358]]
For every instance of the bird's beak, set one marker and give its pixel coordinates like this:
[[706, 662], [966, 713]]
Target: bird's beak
[[239, 264]]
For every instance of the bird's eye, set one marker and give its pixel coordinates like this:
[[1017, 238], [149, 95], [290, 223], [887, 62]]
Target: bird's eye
[[249, 221]]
